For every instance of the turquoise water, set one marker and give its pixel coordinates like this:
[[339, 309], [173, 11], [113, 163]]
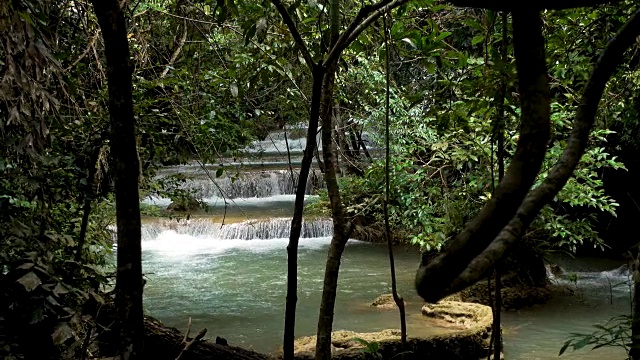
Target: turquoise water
[[236, 289]]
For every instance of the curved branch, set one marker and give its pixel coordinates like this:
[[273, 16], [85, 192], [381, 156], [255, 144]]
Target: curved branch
[[604, 68], [435, 276], [306, 55], [176, 52], [365, 17], [510, 5]]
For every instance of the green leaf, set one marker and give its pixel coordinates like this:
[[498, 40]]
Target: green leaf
[[250, 33], [219, 172], [477, 39], [442, 35]]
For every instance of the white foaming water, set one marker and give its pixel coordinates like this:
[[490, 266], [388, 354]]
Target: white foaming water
[[203, 237], [215, 201], [617, 279], [171, 244]]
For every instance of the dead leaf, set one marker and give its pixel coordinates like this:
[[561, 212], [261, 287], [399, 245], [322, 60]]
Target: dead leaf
[[30, 281], [61, 334], [60, 289], [26, 266]]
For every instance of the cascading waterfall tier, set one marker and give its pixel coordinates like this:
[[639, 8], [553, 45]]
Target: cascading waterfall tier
[[264, 229], [251, 184]]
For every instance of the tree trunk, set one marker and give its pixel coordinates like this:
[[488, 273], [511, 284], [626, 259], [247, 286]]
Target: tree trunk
[[436, 277], [296, 223], [125, 165], [340, 224], [607, 63], [341, 227]]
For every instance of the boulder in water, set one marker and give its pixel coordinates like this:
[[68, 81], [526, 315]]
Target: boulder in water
[[456, 313]]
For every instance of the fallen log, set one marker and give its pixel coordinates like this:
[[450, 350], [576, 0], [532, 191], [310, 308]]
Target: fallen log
[[167, 343]]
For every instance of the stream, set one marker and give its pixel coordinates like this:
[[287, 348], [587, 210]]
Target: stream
[[231, 278]]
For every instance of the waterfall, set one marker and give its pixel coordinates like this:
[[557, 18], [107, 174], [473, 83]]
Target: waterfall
[[276, 228], [251, 184]]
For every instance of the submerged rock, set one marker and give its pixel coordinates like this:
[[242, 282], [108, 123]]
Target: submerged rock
[[385, 302], [184, 205]]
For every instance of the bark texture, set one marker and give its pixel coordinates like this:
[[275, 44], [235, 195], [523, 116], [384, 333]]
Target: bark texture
[[125, 165]]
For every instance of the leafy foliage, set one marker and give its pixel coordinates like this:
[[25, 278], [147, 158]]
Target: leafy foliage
[[615, 333]]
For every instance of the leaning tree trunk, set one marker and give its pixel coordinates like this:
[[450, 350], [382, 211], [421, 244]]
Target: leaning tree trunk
[[607, 63], [296, 222], [125, 165], [435, 278]]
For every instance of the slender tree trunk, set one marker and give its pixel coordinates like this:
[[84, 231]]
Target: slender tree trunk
[[387, 190], [86, 208], [296, 223], [499, 138], [343, 147], [340, 225], [126, 168]]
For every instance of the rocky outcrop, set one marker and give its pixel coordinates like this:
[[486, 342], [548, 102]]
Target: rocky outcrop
[[459, 314], [467, 341]]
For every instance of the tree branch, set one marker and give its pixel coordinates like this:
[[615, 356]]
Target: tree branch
[[434, 277], [306, 55], [604, 68], [363, 19], [176, 52], [510, 5]]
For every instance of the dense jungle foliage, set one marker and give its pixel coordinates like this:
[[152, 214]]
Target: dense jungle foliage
[[210, 77]]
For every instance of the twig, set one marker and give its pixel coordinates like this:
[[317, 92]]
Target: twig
[[86, 51], [186, 334], [188, 345]]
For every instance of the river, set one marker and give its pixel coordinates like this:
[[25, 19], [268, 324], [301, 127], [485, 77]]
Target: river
[[231, 278]]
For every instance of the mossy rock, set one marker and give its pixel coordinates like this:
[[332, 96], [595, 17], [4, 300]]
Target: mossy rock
[[462, 314], [465, 343]]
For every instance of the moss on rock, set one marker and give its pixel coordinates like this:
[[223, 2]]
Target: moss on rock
[[467, 342]]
